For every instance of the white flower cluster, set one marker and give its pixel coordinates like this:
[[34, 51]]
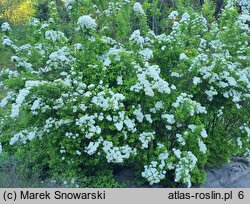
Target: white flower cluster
[[112, 52], [145, 138], [202, 146], [33, 83], [180, 139], [24, 135], [211, 93], [19, 100], [51, 123], [183, 56], [245, 4], [59, 59], [173, 15], [245, 129], [203, 133], [5, 27], [7, 42], [34, 22], [153, 72], [69, 4], [184, 167], [93, 146], [169, 117], [137, 38], [232, 78], [55, 36], [87, 125], [7, 99], [146, 53], [138, 8], [117, 154], [230, 4], [192, 127], [58, 103], [156, 170], [86, 23], [71, 135], [119, 80], [1, 148], [20, 62], [108, 102], [23, 93], [175, 74], [152, 173], [239, 142], [185, 18], [130, 124], [112, 8], [36, 105], [195, 107], [196, 80], [138, 114]]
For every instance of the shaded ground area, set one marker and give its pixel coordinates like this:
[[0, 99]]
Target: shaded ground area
[[233, 175]]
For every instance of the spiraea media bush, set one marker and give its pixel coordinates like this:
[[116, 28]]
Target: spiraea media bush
[[102, 90]]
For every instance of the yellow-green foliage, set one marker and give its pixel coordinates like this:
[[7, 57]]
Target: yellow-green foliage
[[15, 11], [208, 10]]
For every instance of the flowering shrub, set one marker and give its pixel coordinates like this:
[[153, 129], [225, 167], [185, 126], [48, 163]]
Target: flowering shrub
[[110, 92]]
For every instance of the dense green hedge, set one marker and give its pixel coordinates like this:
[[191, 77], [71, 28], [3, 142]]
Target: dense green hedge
[[100, 91]]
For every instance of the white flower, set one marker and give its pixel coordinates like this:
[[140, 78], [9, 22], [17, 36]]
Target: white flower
[[86, 23], [180, 139], [192, 127], [7, 41], [196, 80], [202, 146], [93, 146], [117, 154], [33, 83], [5, 27], [152, 174], [138, 8], [169, 117], [183, 56], [137, 38], [146, 53], [203, 133], [34, 22], [54, 35], [138, 114], [239, 142], [68, 4], [185, 18], [5, 100], [230, 5], [78, 46], [173, 15], [36, 104], [175, 74], [145, 138], [159, 105], [119, 80], [1, 148], [31, 135], [78, 152], [177, 153], [19, 101]]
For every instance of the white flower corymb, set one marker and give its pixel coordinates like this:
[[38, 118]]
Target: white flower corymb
[[86, 23]]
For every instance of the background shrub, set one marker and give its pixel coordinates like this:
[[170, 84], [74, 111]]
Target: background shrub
[[96, 90]]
